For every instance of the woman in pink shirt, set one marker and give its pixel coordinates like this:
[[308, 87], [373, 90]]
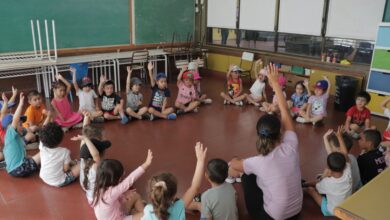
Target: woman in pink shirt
[[186, 100], [272, 179], [112, 199]]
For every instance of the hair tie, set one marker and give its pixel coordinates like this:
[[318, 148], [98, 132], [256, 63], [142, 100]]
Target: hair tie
[[161, 184], [264, 132]]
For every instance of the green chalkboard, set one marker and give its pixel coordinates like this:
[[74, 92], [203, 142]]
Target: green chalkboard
[[157, 20], [386, 15], [79, 23]]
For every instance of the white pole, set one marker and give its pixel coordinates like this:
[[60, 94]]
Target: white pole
[[33, 37], [54, 38], [39, 38], [47, 40]]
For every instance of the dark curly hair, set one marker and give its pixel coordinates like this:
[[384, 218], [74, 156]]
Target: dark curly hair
[[51, 135]]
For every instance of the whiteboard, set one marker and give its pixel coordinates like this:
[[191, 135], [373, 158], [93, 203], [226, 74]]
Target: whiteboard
[[301, 16], [257, 15], [355, 19], [222, 13]]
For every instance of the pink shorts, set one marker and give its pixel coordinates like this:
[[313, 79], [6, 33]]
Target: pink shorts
[[295, 109]]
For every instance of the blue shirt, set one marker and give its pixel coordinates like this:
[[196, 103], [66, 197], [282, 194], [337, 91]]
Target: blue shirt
[[176, 211], [299, 101], [14, 151]]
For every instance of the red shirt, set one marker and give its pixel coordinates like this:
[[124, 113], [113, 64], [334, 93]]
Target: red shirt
[[358, 117], [2, 134]]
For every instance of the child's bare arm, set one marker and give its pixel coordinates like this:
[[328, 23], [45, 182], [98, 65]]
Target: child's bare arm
[[229, 71], [59, 77], [129, 71], [179, 77], [66, 167], [237, 165], [367, 123], [328, 147], [74, 79], [57, 113], [384, 103], [101, 83], [148, 160], [329, 85], [5, 106], [197, 179], [165, 102], [306, 84], [343, 148], [14, 93], [18, 112], [150, 69], [91, 147], [347, 124]]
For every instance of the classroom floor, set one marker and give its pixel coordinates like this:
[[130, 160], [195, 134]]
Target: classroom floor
[[227, 131]]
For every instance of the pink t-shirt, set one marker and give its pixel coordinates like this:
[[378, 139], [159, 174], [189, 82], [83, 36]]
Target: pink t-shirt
[[318, 104], [279, 177], [185, 94], [112, 209]]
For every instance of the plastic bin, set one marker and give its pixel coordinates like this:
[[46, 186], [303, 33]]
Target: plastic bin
[[345, 92]]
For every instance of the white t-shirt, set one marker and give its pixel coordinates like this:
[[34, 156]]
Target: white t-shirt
[[387, 114], [52, 164], [91, 180], [86, 100], [336, 189], [257, 89], [356, 182]]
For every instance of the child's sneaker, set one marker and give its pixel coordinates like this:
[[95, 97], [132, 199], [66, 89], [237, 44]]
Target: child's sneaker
[[124, 120], [238, 180], [207, 101], [65, 129], [225, 102], [301, 120], [99, 119], [171, 116], [230, 179], [239, 103], [180, 112], [257, 104]]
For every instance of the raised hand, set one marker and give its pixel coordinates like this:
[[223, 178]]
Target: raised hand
[[200, 152], [73, 70], [14, 91], [21, 97], [148, 160], [273, 74], [102, 78], [329, 132], [340, 130], [59, 77], [150, 66], [4, 97], [77, 138], [129, 70]]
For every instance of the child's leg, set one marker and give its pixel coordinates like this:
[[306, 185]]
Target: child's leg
[[265, 107], [1, 156], [180, 106], [130, 112], [274, 108], [314, 194], [132, 200], [37, 158], [240, 98], [254, 101], [168, 111], [75, 170], [119, 109], [95, 114], [142, 111], [154, 112], [227, 98], [109, 116], [192, 106], [355, 128], [203, 97]]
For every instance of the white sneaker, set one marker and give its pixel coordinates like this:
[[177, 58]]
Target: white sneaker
[[257, 104], [225, 102], [79, 125], [230, 179], [207, 101], [238, 180], [239, 103], [301, 120], [196, 110], [65, 129]]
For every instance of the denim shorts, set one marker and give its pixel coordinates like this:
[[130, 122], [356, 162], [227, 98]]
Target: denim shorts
[[68, 179], [25, 169]]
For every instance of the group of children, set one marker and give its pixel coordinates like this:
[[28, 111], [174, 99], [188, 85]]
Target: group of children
[[109, 193]]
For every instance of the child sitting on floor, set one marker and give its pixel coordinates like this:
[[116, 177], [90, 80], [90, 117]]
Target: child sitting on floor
[[112, 104], [234, 87], [11, 101], [386, 132], [87, 98], [134, 97], [332, 144], [315, 111], [273, 107], [162, 192], [158, 105], [56, 169], [65, 117], [336, 183], [358, 116], [371, 161], [36, 113], [257, 90], [186, 95], [202, 97], [112, 198], [220, 201], [17, 164], [299, 98]]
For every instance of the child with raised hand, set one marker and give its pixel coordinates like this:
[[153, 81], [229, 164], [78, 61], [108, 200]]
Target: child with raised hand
[[220, 201], [273, 107], [162, 192], [358, 116], [386, 112], [336, 183], [111, 195], [88, 100], [56, 169], [158, 105], [36, 114], [315, 110], [275, 167], [17, 164], [112, 104], [91, 153], [202, 97], [11, 101], [235, 93], [258, 89], [65, 117], [332, 144], [134, 97], [186, 100], [300, 97]]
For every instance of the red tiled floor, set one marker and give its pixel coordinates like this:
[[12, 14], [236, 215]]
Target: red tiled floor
[[227, 131]]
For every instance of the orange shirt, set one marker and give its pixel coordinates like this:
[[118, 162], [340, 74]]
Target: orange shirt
[[34, 115]]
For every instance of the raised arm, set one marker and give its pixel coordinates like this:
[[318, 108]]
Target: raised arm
[[150, 69], [74, 79], [101, 83], [229, 71], [179, 77], [329, 85], [328, 148], [199, 172], [14, 93], [384, 103], [286, 119], [5, 106], [59, 77], [343, 148], [91, 147], [18, 112], [129, 71], [306, 84]]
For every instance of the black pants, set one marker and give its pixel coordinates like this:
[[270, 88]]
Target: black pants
[[254, 199]]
